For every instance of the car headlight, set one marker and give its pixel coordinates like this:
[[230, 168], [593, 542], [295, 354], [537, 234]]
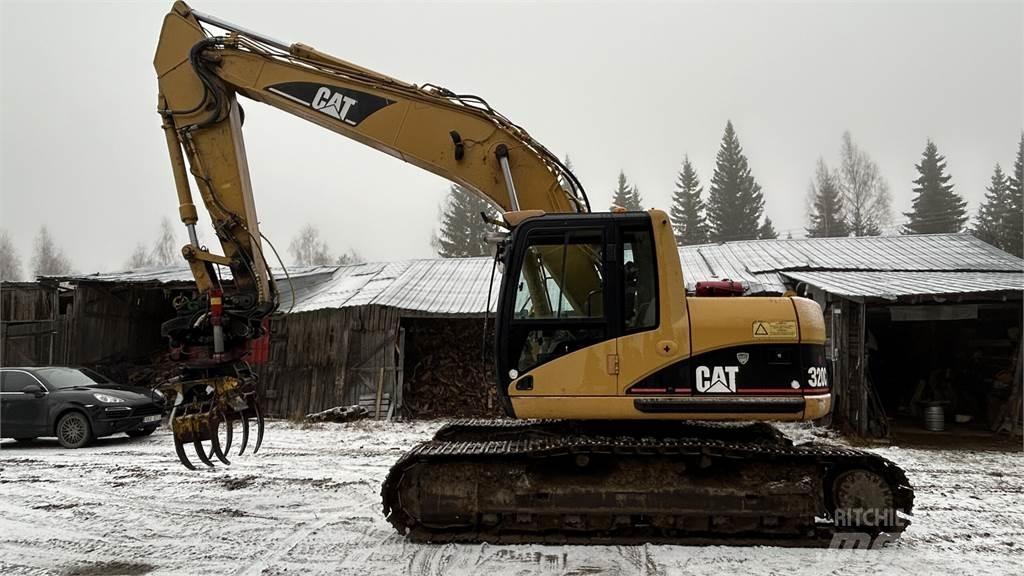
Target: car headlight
[[108, 399]]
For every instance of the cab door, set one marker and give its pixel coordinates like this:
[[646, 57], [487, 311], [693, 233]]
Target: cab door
[[654, 340], [559, 340]]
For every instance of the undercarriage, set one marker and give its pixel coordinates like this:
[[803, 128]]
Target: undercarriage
[[617, 482]]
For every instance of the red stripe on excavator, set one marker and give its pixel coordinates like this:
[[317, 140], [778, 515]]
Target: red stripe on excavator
[[657, 391]]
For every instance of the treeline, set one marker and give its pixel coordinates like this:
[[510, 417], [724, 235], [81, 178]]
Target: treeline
[[307, 248], [850, 199], [164, 251], [847, 198], [48, 259]]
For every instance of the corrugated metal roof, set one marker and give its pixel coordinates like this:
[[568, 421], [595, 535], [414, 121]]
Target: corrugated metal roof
[[721, 261], [856, 267], [346, 286], [891, 285], [180, 273], [915, 252], [764, 265], [443, 286]]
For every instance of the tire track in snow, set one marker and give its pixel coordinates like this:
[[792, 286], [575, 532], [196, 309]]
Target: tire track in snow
[[297, 535]]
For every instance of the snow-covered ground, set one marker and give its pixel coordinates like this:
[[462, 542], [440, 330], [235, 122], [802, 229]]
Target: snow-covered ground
[[309, 503]]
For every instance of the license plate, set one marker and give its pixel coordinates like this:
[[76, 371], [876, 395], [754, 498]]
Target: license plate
[[150, 419]]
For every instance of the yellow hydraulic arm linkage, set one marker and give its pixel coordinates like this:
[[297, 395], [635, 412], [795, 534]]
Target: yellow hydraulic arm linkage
[[459, 137]]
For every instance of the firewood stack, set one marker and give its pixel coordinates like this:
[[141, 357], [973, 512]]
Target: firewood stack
[[446, 375]]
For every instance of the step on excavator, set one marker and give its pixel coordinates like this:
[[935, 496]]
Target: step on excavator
[[636, 412]]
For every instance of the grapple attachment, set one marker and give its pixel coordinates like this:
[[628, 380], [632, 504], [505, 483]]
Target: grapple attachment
[[208, 408]]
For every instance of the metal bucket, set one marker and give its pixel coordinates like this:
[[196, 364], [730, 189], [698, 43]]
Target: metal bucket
[[934, 418]]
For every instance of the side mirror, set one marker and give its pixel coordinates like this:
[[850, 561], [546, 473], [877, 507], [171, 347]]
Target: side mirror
[[35, 390]]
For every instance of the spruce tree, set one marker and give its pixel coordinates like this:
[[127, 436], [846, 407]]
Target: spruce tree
[[462, 229], [735, 202], [991, 225], [626, 196], [562, 180], [1015, 206], [687, 210], [827, 215], [767, 231], [936, 208]]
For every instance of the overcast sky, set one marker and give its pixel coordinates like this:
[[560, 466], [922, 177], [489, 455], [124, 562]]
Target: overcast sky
[[615, 86]]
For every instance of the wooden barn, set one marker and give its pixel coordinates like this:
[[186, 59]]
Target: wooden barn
[[374, 334], [917, 323]]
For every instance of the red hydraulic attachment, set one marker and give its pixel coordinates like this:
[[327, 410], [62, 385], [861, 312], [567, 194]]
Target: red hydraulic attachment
[[719, 288]]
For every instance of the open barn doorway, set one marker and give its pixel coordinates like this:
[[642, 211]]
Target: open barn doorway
[[945, 374]]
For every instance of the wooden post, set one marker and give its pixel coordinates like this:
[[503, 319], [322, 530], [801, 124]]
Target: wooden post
[[400, 372], [55, 303], [862, 371], [380, 393]]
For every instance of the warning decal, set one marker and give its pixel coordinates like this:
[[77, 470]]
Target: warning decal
[[774, 329]]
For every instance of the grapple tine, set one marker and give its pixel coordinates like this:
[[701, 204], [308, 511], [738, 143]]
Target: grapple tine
[[259, 427], [245, 434], [180, 449], [215, 440], [201, 452], [230, 424], [202, 405]]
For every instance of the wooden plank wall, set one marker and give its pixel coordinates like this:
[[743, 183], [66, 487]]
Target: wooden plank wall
[[22, 302], [327, 358], [29, 332], [115, 322]]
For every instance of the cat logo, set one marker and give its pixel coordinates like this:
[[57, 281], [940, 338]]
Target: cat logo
[[343, 104], [333, 104], [717, 379]]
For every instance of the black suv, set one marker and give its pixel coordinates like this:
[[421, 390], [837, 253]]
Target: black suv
[[74, 404]]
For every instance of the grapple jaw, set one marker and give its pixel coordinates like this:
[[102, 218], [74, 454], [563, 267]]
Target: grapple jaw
[[203, 406]]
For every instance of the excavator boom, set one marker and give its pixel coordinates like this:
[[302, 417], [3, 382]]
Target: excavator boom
[[458, 137]]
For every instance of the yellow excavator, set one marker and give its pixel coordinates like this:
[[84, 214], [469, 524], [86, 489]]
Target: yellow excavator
[[636, 411]]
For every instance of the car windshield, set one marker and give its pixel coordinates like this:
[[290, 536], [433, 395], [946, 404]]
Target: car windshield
[[70, 377]]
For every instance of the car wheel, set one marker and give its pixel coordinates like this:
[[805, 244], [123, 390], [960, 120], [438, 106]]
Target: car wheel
[[140, 432], [25, 440], [73, 430]]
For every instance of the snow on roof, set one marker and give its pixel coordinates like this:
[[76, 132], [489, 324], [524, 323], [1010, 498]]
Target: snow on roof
[[890, 285], [877, 265], [880, 266], [177, 273], [441, 286]]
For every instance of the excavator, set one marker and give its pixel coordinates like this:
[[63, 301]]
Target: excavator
[[635, 412]]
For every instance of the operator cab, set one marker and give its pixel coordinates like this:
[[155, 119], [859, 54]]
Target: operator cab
[[569, 282]]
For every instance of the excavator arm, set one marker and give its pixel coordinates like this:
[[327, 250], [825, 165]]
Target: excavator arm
[[458, 137]]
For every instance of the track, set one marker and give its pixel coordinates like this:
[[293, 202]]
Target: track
[[629, 483]]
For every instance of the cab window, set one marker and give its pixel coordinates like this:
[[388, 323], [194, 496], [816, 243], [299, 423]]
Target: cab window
[[639, 281], [559, 296], [561, 277]]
